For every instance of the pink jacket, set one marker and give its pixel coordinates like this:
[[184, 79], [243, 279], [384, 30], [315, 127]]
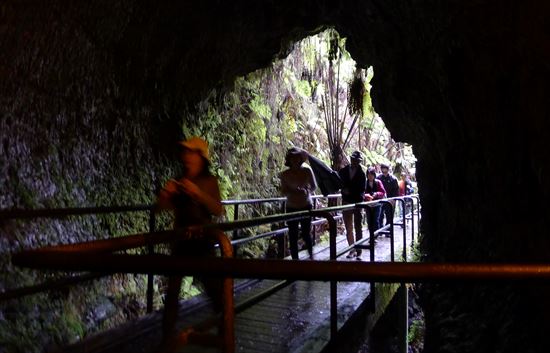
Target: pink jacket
[[379, 192]]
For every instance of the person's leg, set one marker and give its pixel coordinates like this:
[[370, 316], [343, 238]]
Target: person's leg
[[306, 235], [213, 288], [372, 222], [293, 238], [347, 215], [388, 210], [380, 219], [377, 211], [171, 307], [358, 223]]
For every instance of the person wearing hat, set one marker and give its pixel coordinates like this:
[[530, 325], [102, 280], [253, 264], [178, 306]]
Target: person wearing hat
[[195, 199], [374, 191], [298, 184], [392, 190], [353, 190]]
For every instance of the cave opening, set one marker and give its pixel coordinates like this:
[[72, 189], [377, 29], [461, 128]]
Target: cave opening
[[316, 98], [86, 89]]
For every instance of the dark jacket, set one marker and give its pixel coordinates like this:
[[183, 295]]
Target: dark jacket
[[327, 179], [353, 189], [390, 184]]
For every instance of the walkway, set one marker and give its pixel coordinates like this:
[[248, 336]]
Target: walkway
[[294, 319]]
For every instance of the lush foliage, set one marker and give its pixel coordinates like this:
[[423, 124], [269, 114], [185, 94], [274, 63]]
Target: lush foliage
[[316, 98]]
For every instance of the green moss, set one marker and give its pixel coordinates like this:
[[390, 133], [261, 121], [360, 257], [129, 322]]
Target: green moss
[[27, 198], [187, 289], [416, 333], [262, 110], [303, 88]]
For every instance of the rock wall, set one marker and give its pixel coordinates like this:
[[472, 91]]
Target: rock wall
[[73, 134], [91, 87]]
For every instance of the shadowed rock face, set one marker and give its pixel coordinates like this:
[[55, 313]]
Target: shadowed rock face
[[465, 83]]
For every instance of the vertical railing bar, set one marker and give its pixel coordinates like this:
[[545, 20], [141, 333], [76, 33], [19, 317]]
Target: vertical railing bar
[[417, 211], [372, 247], [372, 260], [314, 237], [404, 207], [282, 248], [333, 284], [151, 250], [412, 219], [235, 218], [392, 245], [228, 315]]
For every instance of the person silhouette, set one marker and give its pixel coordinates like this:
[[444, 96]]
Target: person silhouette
[[195, 199], [297, 184], [353, 191]]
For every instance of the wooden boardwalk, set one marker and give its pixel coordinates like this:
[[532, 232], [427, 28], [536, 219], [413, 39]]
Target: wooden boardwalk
[[294, 319]]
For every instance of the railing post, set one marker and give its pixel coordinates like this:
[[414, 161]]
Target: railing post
[[228, 315], [402, 292], [418, 211], [235, 218], [372, 260], [314, 229], [404, 206], [412, 218], [151, 250], [281, 240], [392, 245], [403, 319], [333, 284]]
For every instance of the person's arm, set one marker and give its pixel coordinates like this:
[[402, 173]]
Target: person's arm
[[208, 196], [381, 193], [363, 183], [312, 181], [164, 199]]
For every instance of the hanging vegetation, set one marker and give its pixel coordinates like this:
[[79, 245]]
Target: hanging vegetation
[[316, 98]]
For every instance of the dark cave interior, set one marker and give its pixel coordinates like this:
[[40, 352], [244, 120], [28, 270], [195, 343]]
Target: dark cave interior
[[464, 83]]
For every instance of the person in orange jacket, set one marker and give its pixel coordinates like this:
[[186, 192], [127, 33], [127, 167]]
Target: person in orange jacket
[[195, 199]]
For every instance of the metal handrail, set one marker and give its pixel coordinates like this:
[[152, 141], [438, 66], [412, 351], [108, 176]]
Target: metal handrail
[[50, 254], [153, 238], [252, 201], [387, 272], [107, 245], [17, 213], [273, 199], [48, 285], [276, 232]]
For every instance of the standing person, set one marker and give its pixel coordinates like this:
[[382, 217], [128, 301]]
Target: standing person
[[392, 190], [405, 188], [298, 184], [405, 185], [353, 191], [195, 198], [374, 191]]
